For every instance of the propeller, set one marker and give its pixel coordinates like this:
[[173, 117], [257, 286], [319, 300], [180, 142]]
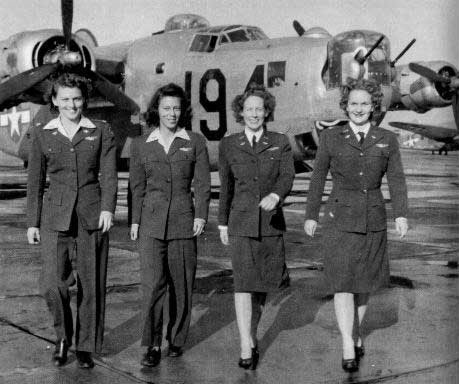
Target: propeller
[[111, 92], [65, 61], [452, 82], [67, 18], [25, 80], [298, 28]]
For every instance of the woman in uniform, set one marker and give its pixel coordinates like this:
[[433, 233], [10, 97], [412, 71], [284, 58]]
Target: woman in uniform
[[163, 166], [72, 219], [358, 155], [256, 174]]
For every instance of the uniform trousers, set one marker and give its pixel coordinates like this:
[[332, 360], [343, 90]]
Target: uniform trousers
[[85, 252], [167, 265]]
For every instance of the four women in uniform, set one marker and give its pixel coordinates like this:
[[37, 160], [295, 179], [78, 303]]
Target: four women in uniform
[[256, 173]]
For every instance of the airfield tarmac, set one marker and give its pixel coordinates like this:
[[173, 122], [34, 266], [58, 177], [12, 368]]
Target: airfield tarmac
[[411, 329]]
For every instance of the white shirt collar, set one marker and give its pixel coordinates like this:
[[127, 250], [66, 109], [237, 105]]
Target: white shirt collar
[[249, 134], [155, 135], [57, 124], [360, 128]]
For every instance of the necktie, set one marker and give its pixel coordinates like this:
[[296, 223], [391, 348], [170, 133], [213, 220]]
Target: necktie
[[254, 143], [362, 137]]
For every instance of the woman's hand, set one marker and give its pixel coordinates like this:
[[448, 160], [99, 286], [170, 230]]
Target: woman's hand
[[224, 234], [134, 233], [269, 202], [401, 226], [198, 226], [33, 235], [105, 221], [310, 227]]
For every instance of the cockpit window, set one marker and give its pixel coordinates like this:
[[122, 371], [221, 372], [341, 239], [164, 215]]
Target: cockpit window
[[256, 34], [206, 40], [238, 35], [203, 43]]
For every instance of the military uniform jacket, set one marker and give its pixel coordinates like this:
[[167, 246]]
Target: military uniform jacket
[[246, 176], [356, 203], [161, 185], [82, 177]]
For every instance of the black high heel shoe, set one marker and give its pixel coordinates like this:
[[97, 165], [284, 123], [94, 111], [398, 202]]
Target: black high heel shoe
[[60, 353], [350, 365], [359, 351], [251, 362]]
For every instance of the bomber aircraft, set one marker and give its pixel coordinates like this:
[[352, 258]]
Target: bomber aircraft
[[213, 64]]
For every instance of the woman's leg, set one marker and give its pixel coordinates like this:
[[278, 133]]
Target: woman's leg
[[243, 305], [361, 302], [344, 309], [258, 303]]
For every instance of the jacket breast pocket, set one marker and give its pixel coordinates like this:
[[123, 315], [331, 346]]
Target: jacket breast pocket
[[54, 156], [88, 155], [183, 163]]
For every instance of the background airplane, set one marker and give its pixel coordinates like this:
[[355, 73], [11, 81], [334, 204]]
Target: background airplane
[[213, 64], [448, 136]]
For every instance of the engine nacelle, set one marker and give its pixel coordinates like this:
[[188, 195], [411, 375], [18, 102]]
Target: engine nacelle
[[28, 50], [418, 93]]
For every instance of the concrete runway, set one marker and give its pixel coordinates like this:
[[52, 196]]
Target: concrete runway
[[411, 329]]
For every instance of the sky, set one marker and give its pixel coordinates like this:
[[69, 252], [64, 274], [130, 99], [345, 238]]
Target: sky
[[432, 22]]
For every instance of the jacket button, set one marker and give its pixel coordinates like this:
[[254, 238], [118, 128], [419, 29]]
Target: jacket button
[[361, 173], [72, 150], [364, 191], [361, 154]]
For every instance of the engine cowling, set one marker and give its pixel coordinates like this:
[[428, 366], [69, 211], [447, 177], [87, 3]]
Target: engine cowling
[[419, 94], [28, 50]]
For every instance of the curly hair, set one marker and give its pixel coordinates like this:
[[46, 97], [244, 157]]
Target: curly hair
[[68, 80], [169, 90], [370, 86], [254, 89]]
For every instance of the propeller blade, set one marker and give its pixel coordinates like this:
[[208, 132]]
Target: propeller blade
[[455, 105], [25, 80], [112, 93], [428, 73], [67, 18], [298, 28]]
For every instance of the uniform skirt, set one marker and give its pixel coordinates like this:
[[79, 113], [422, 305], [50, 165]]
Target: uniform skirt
[[355, 262], [258, 263]]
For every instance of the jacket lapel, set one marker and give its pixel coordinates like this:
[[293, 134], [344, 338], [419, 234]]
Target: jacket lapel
[[373, 136], [82, 133], [243, 144], [176, 145], [263, 143], [349, 137], [54, 134], [153, 148]]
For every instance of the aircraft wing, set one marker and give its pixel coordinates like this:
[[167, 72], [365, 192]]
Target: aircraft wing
[[430, 131]]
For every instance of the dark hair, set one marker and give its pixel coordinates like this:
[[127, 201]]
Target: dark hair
[[269, 102], [370, 86], [68, 80], [169, 90]]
